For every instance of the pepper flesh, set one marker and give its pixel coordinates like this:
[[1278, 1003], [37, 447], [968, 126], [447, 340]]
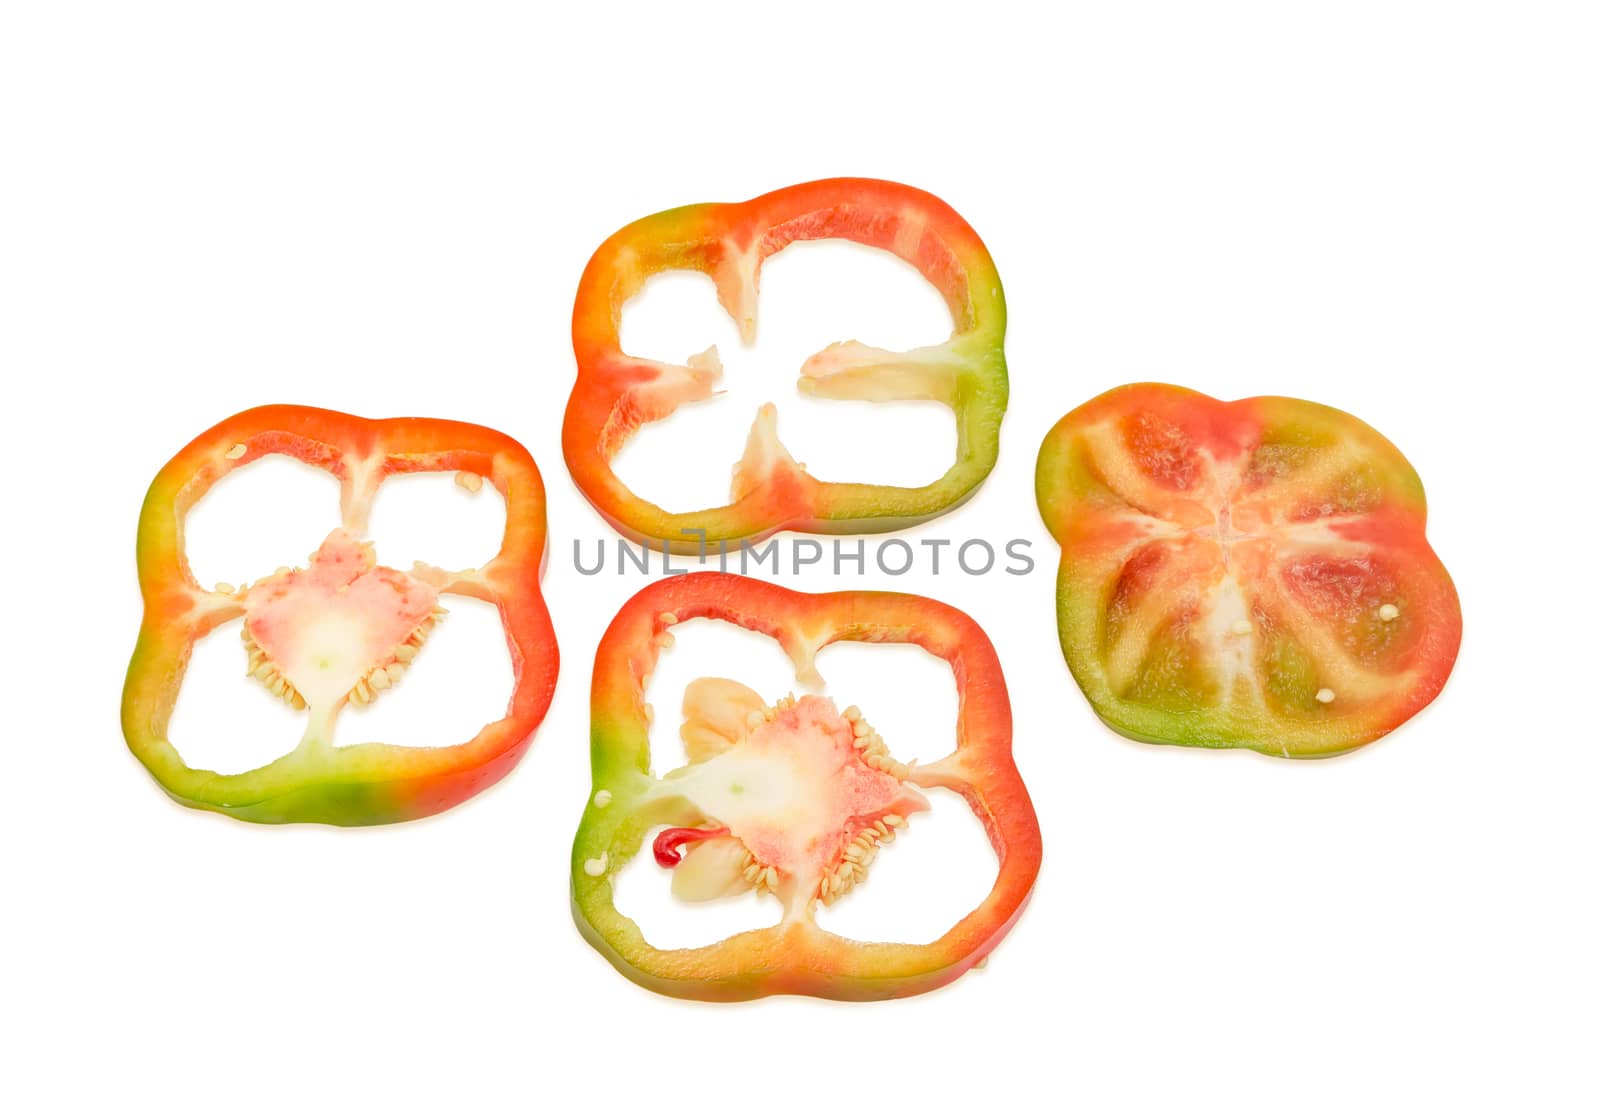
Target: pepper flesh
[[615, 393], [343, 628], [1250, 574], [737, 748]]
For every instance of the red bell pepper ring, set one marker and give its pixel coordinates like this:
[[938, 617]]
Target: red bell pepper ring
[[615, 393], [792, 799], [342, 629]]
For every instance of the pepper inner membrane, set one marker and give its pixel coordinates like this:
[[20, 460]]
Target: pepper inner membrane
[[792, 799], [342, 629]]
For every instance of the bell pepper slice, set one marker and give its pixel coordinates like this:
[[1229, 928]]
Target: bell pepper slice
[[792, 799], [615, 393], [1248, 574], [342, 629]]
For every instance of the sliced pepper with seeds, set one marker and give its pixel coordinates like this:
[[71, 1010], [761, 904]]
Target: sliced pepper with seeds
[[616, 393], [342, 629], [1250, 574], [792, 799]]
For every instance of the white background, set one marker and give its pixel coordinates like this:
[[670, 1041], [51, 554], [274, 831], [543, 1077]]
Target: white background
[[1388, 207]]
